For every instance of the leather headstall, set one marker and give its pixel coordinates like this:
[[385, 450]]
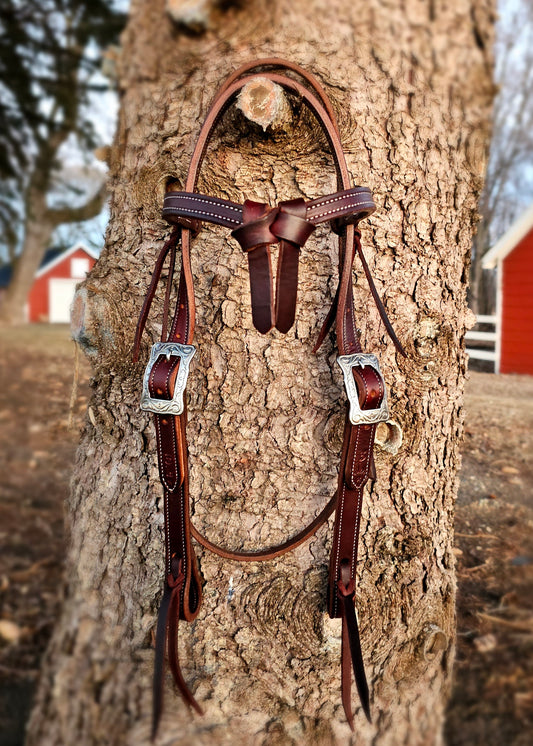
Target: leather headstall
[[257, 226]]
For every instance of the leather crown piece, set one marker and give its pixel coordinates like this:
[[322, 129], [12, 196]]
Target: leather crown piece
[[256, 226]]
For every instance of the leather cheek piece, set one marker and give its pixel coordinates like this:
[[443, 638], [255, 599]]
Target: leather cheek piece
[[168, 434], [359, 460], [169, 461]]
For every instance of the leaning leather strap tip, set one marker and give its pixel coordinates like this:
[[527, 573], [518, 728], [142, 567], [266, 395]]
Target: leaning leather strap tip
[[346, 593], [172, 646], [284, 325], [159, 662]]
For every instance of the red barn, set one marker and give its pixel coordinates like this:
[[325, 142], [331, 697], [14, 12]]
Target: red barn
[[55, 284], [512, 257]]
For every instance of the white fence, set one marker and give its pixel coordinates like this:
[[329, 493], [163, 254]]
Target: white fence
[[485, 345]]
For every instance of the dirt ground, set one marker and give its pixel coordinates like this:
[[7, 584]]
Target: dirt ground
[[492, 700]]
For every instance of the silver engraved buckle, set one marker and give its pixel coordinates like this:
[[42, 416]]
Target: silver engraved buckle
[[357, 415], [174, 405]]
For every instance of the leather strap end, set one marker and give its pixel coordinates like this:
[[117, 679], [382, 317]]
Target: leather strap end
[[173, 657], [372, 468], [346, 677], [159, 661], [166, 637], [377, 299], [170, 245], [293, 230], [261, 290], [328, 321], [287, 286], [346, 593]]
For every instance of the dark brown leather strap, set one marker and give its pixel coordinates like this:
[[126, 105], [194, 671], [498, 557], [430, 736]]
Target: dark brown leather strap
[[354, 204], [271, 552], [355, 470], [351, 649], [150, 293], [255, 237], [166, 637], [293, 231], [173, 471]]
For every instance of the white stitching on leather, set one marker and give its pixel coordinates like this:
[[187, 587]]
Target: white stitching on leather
[[177, 211], [349, 206], [165, 499], [339, 543], [207, 201], [167, 531], [182, 512], [335, 198]]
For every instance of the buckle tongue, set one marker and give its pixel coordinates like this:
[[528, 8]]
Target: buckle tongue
[[174, 405], [357, 415]]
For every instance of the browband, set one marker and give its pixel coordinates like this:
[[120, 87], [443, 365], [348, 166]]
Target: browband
[[256, 226], [356, 201]]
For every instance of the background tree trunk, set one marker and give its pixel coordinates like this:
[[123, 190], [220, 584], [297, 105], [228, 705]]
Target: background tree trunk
[[37, 235], [40, 223], [412, 85]]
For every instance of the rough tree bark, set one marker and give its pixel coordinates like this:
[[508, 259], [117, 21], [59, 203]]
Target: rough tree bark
[[412, 85]]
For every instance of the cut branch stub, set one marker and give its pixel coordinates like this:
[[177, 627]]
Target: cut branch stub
[[193, 16], [434, 641], [264, 102], [389, 436]]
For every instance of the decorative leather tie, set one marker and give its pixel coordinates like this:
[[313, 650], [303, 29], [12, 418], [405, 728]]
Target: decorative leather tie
[[257, 226], [263, 226]]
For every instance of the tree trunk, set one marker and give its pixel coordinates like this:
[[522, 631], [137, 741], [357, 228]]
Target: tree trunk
[[40, 223], [36, 240], [412, 84]]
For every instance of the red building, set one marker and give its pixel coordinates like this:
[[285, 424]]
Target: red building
[[512, 257], [55, 283]]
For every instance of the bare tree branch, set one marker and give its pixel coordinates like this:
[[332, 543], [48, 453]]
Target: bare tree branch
[[90, 209]]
